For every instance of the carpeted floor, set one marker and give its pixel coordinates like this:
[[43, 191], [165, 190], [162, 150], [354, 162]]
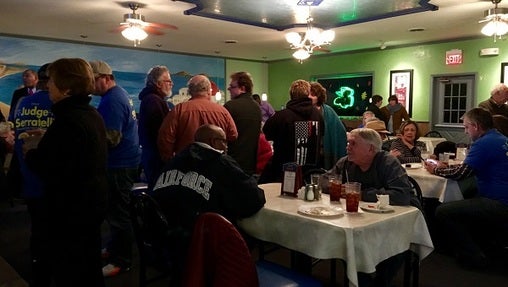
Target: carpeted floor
[[437, 270]]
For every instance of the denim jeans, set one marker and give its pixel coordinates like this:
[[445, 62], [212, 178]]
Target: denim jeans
[[470, 223], [120, 182]]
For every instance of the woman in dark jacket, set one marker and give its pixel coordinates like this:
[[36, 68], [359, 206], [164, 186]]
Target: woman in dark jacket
[[71, 160]]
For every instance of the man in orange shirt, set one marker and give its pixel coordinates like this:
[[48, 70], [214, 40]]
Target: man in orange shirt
[[180, 124]]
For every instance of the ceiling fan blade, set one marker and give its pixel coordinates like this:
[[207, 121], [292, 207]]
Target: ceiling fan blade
[[162, 26], [152, 30], [119, 29]]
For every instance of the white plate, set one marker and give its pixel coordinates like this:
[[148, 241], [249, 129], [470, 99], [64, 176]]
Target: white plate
[[412, 165], [320, 210], [372, 208]]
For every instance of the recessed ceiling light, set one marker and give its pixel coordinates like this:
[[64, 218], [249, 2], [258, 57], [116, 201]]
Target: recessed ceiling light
[[416, 29]]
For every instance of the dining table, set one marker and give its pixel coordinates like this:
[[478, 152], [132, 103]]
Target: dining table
[[361, 239], [433, 186]]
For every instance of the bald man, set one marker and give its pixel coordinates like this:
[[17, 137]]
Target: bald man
[[180, 124], [202, 178]]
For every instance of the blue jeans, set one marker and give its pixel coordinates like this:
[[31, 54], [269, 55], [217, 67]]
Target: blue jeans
[[120, 182], [470, 223]]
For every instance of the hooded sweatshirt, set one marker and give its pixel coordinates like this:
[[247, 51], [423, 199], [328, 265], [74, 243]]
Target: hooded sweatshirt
[[280, 129]]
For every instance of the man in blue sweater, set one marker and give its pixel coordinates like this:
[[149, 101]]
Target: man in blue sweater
[[470, 224], [123, 160]]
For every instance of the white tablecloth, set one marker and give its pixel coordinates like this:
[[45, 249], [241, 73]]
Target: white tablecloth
[[431, 142], [434, 186], [361, 239]]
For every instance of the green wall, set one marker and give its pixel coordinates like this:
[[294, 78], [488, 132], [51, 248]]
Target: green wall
[[425, 60], [258, 71]]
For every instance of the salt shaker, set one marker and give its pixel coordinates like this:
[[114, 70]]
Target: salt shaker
[[309, 192]]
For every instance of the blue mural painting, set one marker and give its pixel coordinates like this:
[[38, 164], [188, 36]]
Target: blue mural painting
[[129, 65]]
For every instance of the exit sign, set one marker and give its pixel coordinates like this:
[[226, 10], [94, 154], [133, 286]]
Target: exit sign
[[454, 57]]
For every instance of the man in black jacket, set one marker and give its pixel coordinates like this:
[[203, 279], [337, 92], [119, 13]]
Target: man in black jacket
[[202, 178]]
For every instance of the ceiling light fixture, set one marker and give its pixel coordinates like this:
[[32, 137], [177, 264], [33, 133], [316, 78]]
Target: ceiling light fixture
[[136, 23], [135, 33], [496, 18], [314, 38]]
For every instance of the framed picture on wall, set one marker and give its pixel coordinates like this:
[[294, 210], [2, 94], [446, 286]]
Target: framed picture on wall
[[504, 73], [401, 85]]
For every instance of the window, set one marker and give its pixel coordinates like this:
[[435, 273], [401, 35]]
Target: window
[[453, 97]]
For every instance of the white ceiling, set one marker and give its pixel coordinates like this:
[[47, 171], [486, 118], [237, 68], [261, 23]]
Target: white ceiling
[[92, 21]]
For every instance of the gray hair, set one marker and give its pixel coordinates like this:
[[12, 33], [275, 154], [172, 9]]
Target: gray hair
[[481, 117], [199, 84], [154, 74], [499, 89], [370, 136], [368, 113]]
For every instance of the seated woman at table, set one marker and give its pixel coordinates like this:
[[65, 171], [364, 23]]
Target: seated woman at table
[[407, 148], [469, 224], [379, 173]]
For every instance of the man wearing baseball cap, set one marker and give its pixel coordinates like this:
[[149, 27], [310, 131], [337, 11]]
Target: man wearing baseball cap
[[124, 157]]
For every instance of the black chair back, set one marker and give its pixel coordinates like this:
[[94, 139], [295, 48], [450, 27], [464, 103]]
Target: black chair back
[[433, 134], [417, 192], [151, 231]]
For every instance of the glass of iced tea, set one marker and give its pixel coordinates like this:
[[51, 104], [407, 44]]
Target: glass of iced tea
[[334, 188], [352, 196]]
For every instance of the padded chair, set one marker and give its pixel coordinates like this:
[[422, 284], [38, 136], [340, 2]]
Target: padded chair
[[218, 256], [446, 146], [433, 134], [387, 144], [151, 231]]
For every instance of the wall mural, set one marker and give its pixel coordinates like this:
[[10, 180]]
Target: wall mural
[[129, 65]]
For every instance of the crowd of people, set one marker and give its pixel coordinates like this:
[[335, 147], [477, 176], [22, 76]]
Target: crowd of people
[[77, 164]]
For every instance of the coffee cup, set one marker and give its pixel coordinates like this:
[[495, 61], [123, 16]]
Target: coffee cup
[[383, 200]]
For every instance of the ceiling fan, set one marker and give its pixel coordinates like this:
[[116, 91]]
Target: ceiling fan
[[135, 28], [497, 19]]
